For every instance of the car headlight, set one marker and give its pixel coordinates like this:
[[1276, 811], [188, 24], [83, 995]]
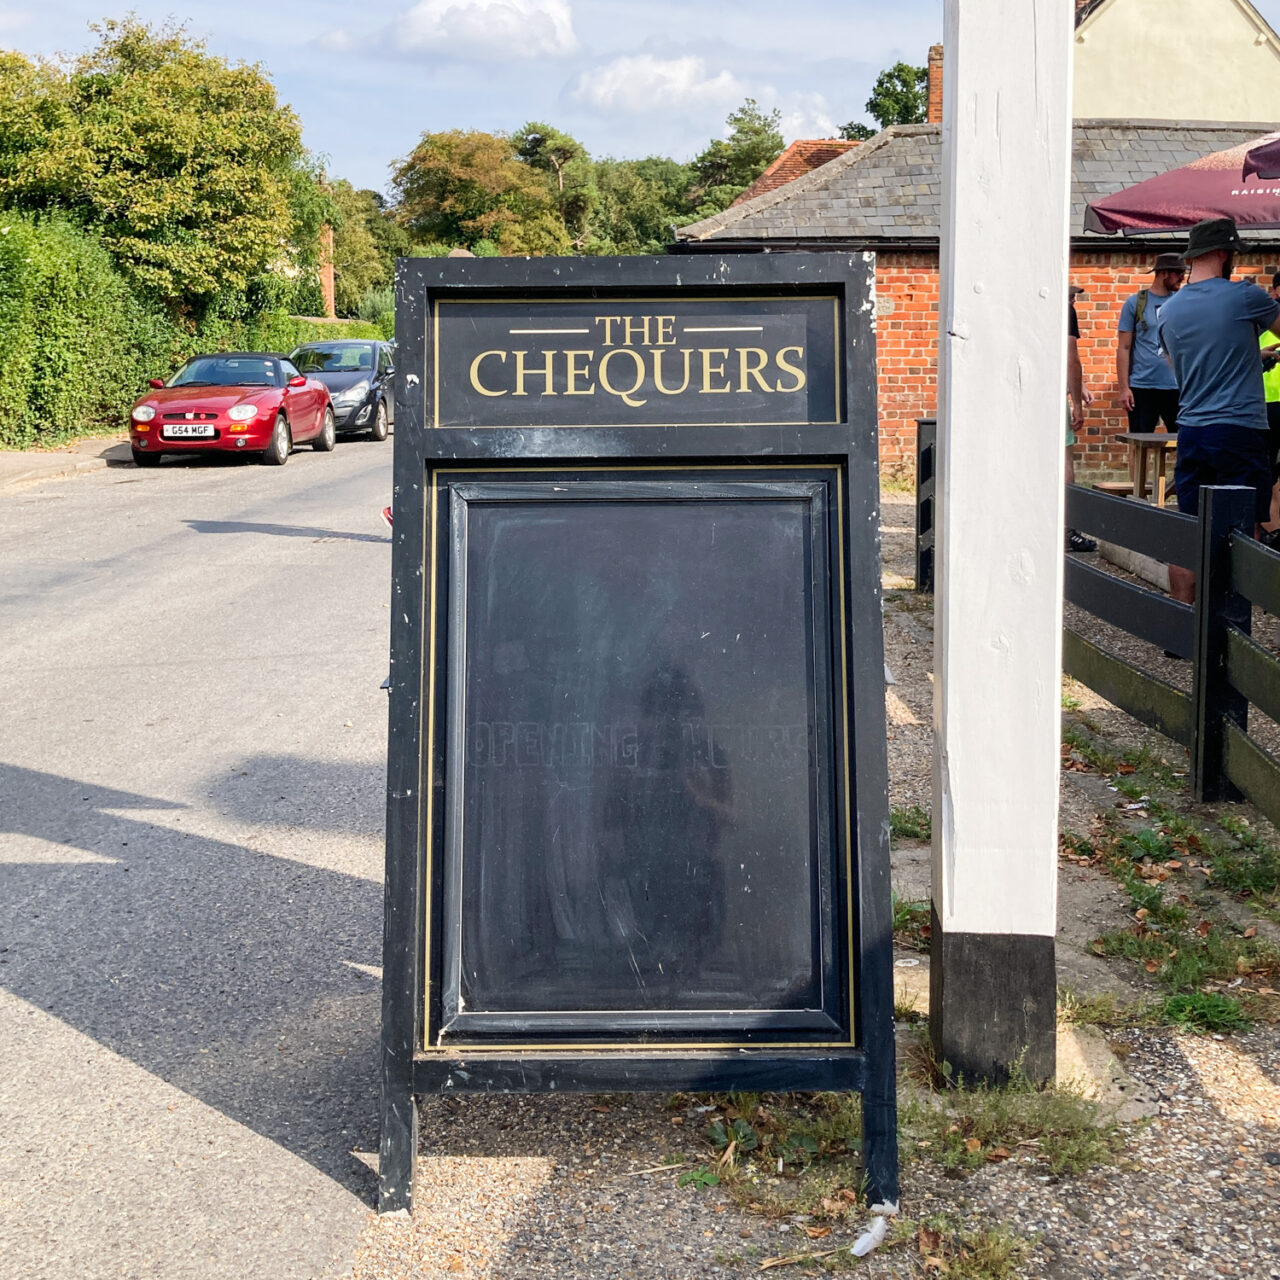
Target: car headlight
[[351, 394], [242, 412], [143, 413]]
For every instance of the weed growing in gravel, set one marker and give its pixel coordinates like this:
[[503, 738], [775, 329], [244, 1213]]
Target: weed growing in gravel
[[964, 1127], [991, 1253], [910, 822], [911, 923], [1098, 1009], [783, 1154], [1203, 1011]]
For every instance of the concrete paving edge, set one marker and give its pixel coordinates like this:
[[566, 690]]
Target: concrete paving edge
[[19, 468]]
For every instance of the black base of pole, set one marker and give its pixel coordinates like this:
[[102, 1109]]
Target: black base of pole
[[993, 1005]]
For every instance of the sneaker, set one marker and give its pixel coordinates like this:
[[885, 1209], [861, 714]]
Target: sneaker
[[386, 516], [1270, 538], [1078, 542]]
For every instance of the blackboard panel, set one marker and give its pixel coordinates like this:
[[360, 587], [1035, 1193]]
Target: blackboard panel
[[640, 771]]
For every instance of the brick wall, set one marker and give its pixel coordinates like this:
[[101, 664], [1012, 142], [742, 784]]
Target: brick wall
[[906, 343]]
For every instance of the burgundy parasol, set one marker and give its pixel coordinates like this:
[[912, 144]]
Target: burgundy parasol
[[1263, 158], [1219, 185]]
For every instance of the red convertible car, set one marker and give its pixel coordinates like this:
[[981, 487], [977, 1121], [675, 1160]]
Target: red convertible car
[[237, 400]]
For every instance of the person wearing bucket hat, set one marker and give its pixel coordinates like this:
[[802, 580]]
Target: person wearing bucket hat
[[1209, 331], [1148, 391]]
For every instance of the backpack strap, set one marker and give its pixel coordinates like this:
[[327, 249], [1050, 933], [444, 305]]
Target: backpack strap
[[1140, 309]]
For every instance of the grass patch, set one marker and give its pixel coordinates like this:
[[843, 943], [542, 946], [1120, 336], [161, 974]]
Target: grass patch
[[910, 822], [784, 1154], [966, 1128], [1103, 1009], [1203, 1011], [912, 922]]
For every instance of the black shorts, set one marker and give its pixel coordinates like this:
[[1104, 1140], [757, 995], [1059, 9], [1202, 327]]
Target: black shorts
[[1222, 455], [1151, 405]]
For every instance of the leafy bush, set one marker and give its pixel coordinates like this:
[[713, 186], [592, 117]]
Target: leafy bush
[[78, 344]]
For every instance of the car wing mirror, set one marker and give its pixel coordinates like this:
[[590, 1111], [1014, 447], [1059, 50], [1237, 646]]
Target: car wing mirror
[[155, 382], [299, 381]]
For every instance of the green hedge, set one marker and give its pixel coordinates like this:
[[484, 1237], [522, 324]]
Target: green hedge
[[77, 345]]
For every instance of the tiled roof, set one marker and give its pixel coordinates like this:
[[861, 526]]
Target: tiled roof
[[890, 188], [801, 157]]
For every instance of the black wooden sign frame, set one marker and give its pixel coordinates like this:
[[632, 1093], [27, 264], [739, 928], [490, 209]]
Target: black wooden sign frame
[[449, 478]]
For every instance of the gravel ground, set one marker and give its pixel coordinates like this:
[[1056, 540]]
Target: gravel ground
[[578, 1188]]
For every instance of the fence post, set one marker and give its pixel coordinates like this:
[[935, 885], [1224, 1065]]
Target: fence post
[[926, 474], [1224, 510]]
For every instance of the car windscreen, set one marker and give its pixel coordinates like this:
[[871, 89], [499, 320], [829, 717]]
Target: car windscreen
[[351, 357], [226, 371]]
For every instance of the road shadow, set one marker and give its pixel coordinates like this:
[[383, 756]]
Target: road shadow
[[228, 973], [282, 531], [281, 790]]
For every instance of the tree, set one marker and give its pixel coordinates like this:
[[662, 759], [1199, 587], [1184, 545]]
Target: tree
[[186, 165], [729, 165], [565, 162], [900, 96], [466, 187], [638, 202], [358, 264]]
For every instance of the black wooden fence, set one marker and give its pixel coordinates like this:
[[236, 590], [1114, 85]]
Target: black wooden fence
[[926, 477], [1229, 670]]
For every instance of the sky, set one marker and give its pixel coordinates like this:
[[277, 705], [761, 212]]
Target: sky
[[628, 78]]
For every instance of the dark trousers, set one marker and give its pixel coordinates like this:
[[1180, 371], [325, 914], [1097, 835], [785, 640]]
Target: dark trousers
[[1273, 437], [1151, 405]]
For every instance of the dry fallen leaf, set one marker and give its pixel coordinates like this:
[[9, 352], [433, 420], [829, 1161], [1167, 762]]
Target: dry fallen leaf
[[1125, 768], [998, 1154], [816, 1233], [1204, 928], [832, 1206], [850, 1196], [1151, 966], [929, 1240], [1142, 913], [972, 1144], [1251, 932]]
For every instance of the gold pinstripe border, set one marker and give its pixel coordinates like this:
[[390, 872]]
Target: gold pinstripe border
[[429, 788]]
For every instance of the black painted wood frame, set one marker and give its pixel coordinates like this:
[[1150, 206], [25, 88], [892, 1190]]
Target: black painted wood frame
[[850, 446]]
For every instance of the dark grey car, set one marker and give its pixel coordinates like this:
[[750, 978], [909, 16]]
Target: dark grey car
[[358, 373]]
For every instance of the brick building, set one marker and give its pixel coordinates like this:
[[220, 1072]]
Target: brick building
[[885, 196]]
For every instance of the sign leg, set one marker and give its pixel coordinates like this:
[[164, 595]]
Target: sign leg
[[397, 1148]]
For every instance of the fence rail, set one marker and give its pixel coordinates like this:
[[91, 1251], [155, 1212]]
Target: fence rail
[[1251, 674], [1230, 671]]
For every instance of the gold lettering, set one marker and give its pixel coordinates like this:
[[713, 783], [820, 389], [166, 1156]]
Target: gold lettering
[[630, 391], [791, 368], [748, 369], [575, 373], [475, 372], [666, 331], [657, 372], [544, 373], [608, 322], [630, 328], [708, 369]]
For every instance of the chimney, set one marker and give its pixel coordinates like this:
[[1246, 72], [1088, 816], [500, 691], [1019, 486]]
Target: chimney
[[326, 270], [934, 115]]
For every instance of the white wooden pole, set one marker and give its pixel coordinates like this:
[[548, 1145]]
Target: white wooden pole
[[1006, 143]]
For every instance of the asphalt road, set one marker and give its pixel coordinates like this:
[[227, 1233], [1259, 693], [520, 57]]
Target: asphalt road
[[192, 759]]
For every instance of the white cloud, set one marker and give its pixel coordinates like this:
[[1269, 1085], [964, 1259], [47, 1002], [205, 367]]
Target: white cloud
[[643, 83], [487, 29], [807, 115]]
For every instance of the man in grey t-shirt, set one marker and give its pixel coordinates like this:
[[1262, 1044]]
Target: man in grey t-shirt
[[1209, 331], [1148, 390]]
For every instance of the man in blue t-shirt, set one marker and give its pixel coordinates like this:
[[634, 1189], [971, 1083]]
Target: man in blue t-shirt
[[1210, 332], [1148, 391]]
